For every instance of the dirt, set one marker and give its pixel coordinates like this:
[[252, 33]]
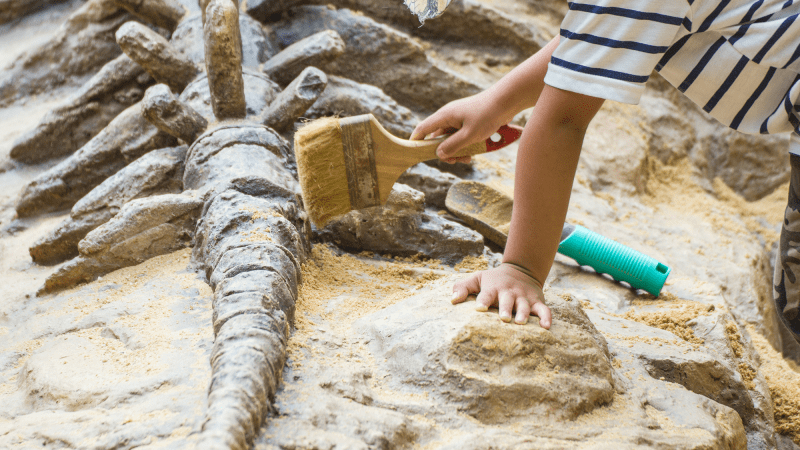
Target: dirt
[[672, 317], [783, 379]]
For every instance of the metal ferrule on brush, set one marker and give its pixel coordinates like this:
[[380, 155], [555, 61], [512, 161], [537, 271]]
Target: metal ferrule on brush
[[359, 157]]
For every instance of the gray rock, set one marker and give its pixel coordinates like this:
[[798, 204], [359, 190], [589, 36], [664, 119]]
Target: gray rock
[[157, 172], [293, 102], [118, 85], [172, 116], [15, 9], [161, 13], [258, 42], [316, 50], [561, 373], [82, 46], [466, 20], [753, 166], [344, 97], [671, 136], [235, 225], [237, 151], [250, 242], [135, 217], [158, 57], [223, 44], [403, 227], [144, 228], [126, 138], [259, 90], [379, 55], [430, 181]]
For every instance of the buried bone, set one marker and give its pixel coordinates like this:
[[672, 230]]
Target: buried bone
[[162, 13], [172, 116], [67, 128], [295, 99], [158, 57], [224, 59], [157, 172], [316, 50], [126, 138]]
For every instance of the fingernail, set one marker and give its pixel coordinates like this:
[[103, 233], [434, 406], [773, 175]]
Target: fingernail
[[505, 318], [521, 322], [456, 296], [480, 307]]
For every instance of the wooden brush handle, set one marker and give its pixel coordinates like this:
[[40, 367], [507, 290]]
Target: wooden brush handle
[[508, 134]]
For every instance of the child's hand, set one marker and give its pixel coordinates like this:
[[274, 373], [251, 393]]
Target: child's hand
[[475, 118], [510, 289]]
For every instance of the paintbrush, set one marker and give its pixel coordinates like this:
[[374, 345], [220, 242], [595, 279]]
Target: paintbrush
[[351, 163]]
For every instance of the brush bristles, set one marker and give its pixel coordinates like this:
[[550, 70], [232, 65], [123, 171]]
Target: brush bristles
[[321, 169]]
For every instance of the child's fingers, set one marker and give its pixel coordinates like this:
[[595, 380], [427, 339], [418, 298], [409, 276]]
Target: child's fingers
[[485, 299], [541, 310], [505, 305], [453, 144], [462, 288], [523, 311], [430, 125]]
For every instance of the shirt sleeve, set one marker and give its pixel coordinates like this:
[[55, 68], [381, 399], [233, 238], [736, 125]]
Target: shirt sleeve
[[609, 48]]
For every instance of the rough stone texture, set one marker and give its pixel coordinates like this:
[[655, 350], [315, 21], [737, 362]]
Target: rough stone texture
[[223, 43], [238, 151], [260, 91], [82, 46], [561, 373], [344, 97], [118, 85], [295, 99], [251, 240], [158, 57], [258, 42], [146, 393], [160, 171], [316, 50], [161, 13], [142, 229], [172, 116], [431, 182], [753, 166], [403, 227], [421, 357], [14, 9], [126, 138], [467, 20], [253, 236], [405, 70]]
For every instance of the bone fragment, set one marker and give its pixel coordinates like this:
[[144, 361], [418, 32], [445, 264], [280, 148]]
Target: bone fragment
[[144, 228], [80, 47], [158, 57], [158, 172], [316, 50], [162, 13], [344, 97], [224, 59], [172, 116], [204, 4], [295, 99], [125, 139]]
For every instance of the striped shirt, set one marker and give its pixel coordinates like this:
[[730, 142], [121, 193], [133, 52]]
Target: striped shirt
[[738, 59]]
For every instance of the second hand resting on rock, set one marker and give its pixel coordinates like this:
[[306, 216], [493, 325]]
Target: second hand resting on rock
[[546, 163]]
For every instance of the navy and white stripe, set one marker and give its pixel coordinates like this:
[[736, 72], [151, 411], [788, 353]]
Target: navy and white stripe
[[738, 59]]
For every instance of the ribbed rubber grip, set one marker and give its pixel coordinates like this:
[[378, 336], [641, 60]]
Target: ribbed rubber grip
[[623, 263]]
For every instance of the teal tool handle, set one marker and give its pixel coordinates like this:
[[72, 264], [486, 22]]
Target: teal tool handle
[[606, 256]]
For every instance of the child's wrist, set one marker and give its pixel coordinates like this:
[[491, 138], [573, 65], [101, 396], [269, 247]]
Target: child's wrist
[[524, 271]]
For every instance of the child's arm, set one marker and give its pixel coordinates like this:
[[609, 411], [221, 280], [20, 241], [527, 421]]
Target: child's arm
[[546, 164]]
